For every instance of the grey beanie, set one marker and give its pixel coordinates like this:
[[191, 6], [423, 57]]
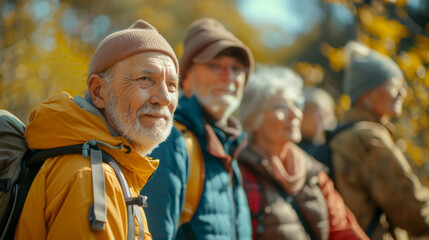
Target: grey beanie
[[367, 70]]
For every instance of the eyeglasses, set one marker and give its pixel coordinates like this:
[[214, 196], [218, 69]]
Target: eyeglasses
[[236, 70], [396, 86], [298, 102], [283, 110]]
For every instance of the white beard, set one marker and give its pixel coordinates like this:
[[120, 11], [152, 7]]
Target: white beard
[[225, 103], [143, 139]]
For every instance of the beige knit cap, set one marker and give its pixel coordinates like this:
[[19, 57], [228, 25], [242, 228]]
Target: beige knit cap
[[139, 37], [205, 39]]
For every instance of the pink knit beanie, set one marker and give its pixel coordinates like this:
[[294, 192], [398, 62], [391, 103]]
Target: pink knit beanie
[[140, 37]]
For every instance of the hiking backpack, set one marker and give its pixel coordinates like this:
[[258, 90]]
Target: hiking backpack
[[19, 166], [196, 179], [196, 169]]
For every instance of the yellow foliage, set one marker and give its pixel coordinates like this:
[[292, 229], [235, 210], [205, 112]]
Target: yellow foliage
[[421, 93], [145, 12], [425, 79], [425, 135], [337, 1], [409, 62], [312, 74], [421, 41], [166, 3], [345, 102], [38, 73], [380, 26], [424, 123], [178, 48], [337, 57], [399, 3], [8, 19], [10, 37], [416, 154]]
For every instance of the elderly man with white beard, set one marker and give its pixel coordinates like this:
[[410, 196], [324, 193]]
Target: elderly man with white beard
[[215, 66], [127, 111]]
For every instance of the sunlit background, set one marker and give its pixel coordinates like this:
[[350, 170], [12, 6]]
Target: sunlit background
[[46, 45]]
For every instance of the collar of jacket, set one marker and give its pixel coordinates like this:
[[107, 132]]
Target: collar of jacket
[[214, 135], [232, 129], [359, 113], [256, 159], [193, 116], [63, 121], [189, 113]]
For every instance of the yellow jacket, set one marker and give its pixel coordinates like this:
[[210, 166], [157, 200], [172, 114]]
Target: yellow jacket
[[57, 204]]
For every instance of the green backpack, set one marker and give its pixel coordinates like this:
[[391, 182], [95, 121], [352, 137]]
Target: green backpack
[[19, 166]]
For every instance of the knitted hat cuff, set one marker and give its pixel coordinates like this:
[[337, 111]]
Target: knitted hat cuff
[[366, 71], [140, 37]]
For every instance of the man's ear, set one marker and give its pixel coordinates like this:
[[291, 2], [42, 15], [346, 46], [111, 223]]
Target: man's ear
[[366, 99], [97, 88]]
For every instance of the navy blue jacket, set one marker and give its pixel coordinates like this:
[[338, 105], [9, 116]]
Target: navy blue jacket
[[223, 211]]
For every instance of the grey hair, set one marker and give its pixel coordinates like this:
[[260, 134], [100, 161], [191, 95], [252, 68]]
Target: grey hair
[[107, 75], [320, 97], [323, 100], [267, 82]]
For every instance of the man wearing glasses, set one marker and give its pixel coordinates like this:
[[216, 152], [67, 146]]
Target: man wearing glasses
[[215, 67]]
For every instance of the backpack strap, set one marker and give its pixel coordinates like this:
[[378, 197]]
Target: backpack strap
[[375, 220], [196, 171], [331, 134], [34, 162], [98, 211], [132, 203]]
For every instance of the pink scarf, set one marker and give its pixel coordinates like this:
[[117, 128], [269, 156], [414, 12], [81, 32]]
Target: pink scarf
[[288, 168]]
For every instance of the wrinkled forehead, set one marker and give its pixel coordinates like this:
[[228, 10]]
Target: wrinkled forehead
[[153, 60]]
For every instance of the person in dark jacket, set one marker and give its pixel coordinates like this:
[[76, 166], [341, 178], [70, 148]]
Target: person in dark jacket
[[290, 195], [318, 117], [214, 67], [370, 171]]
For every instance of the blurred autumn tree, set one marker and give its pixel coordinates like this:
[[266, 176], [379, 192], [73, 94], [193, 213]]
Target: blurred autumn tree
[[389, 28], [394, 29], [46, 45], [37, 58]]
